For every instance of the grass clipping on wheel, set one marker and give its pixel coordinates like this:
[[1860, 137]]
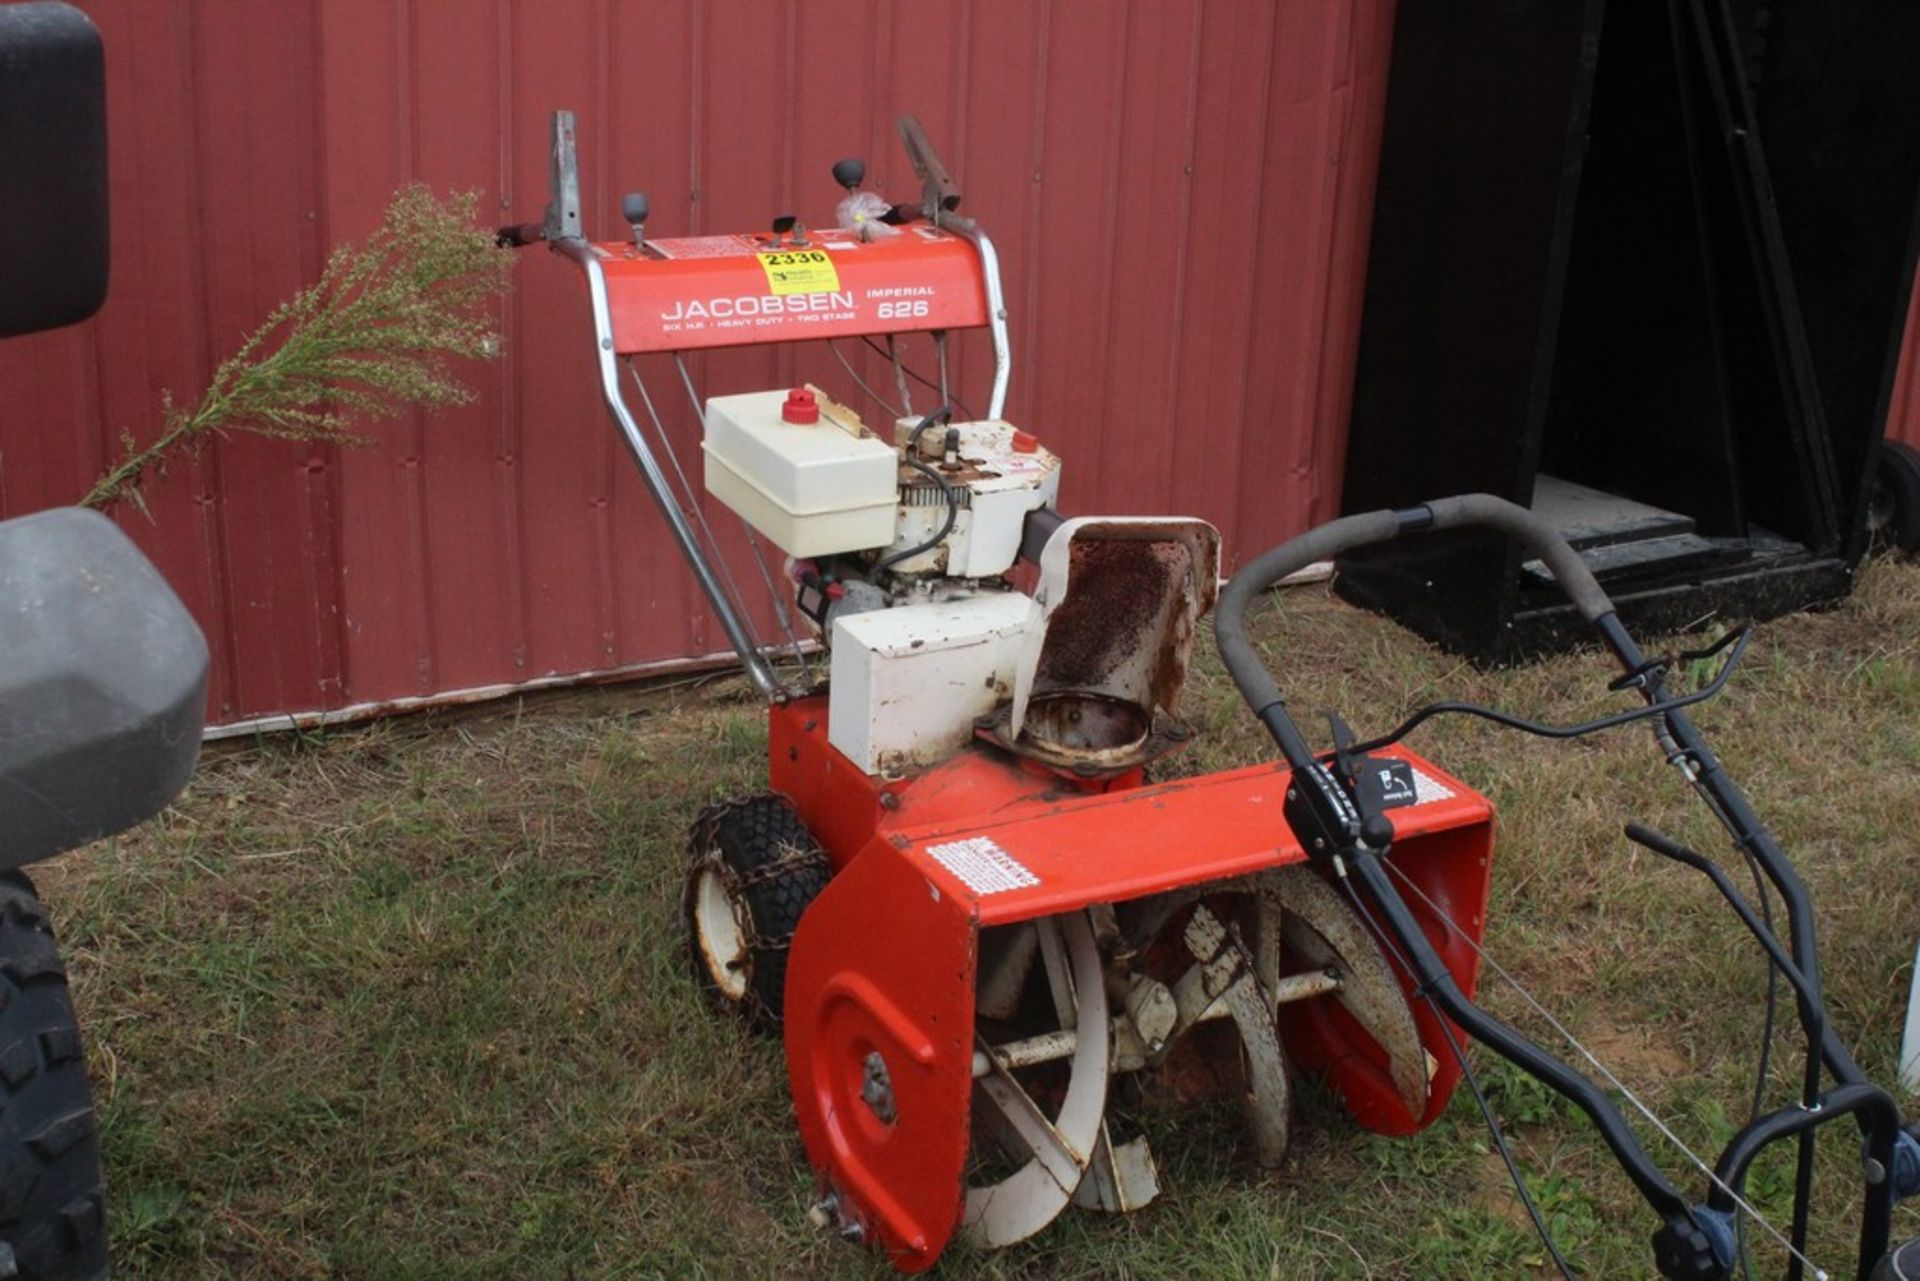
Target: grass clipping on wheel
[[377, 335]]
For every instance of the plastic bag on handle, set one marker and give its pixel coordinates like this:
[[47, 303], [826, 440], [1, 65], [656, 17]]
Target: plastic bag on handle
[[861, 211]]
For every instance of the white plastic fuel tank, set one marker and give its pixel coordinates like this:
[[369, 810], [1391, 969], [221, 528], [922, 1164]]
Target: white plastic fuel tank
[[802, 470], [907, 683]]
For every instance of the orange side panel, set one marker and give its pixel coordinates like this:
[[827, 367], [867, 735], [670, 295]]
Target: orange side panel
[[840, 804], [1123, 845], [881, 967]]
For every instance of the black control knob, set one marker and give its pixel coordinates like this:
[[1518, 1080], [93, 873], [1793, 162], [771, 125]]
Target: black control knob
[[634, 208], [788, 233], [850, 173]]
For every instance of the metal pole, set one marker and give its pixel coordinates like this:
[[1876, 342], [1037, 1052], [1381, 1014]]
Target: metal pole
[[750, 656], [996, 310]]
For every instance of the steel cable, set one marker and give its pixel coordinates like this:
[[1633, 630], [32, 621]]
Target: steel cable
[[1820, 1274], [940, 351], [900, 377], [860, 382], [1473, 1084], [690, 502], [753, 542]]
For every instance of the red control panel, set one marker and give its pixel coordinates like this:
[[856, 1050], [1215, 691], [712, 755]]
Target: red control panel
[[734, 291]]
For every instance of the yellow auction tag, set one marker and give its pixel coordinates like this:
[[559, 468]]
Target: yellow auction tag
[[799, 271]]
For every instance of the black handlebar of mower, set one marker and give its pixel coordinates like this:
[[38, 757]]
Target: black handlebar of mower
[[1366, 529], [1332, 815]]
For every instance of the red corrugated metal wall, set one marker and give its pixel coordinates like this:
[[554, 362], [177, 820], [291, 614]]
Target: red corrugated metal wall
[[1180, 192]]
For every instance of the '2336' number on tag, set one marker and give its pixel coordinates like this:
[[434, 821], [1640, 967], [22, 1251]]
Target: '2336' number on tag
[[799, 271]]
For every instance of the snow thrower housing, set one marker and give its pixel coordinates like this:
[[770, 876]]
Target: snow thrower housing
[[962, 902]]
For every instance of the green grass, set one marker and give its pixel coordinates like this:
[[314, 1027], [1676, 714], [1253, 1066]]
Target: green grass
[[410, 1000]]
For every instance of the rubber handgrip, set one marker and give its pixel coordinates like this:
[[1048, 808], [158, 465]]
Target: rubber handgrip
[[1349, 533], [1539, 537], [1229, 616]]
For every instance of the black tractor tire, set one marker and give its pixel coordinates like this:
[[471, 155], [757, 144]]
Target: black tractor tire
[[1893, 503], [752, 870], [52, 1209]]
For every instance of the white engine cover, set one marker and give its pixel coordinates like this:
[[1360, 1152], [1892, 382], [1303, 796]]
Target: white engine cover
[[907, 683], [1004, 474]]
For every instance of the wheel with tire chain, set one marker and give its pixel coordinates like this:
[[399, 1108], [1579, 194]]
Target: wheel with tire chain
[[52, 1209], [752, 869]]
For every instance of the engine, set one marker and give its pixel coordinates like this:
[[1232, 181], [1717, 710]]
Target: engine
[[901, 553]]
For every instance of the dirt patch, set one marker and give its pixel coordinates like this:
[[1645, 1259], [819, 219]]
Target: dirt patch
[[1639, 1055], [1493, 1193]]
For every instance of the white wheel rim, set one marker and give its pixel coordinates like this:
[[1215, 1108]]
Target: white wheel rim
[[720, 919]]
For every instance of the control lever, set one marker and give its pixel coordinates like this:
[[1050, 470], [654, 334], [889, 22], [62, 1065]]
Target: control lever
[[850, 173], [939, 193], [562, 220], [563, 183], [788, 233], [634, 208], [1343, 741], [862, 210], [1376, 783]]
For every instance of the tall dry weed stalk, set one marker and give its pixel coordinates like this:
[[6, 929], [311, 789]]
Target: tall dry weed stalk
[[379, 333]]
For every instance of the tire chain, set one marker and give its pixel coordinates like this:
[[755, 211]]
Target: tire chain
[[790, 862]]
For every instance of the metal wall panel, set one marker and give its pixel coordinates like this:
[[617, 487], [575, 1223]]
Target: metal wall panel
[[1180, 191]]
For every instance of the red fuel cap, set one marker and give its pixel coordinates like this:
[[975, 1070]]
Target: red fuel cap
[[801, 407], [1025, 442]]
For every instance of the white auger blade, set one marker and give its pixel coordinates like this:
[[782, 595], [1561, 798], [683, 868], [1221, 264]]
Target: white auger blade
[[1062, 1147], [1226, 973]]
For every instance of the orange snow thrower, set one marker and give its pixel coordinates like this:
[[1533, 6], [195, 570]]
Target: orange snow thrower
[[960, 900]]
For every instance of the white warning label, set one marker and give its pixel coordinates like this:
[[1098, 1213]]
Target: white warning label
[[1427, 789], [983, 866]]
